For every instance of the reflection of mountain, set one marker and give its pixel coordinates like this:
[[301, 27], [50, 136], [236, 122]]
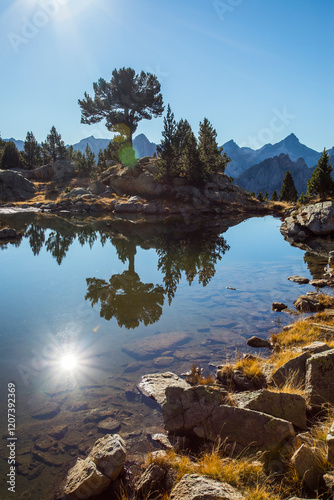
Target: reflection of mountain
[[181, 248]]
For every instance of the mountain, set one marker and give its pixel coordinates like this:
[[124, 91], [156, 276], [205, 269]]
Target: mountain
[[94, 144], [268, 175], [243, 158], [143, 146], [18, 143]]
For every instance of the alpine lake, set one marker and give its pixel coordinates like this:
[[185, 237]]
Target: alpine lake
[[88, 306]]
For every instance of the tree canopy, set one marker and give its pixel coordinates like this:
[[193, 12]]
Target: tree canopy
[[288, 191], [53, 148], [321, 182], [11, 157], [32, 152], [124, 101]]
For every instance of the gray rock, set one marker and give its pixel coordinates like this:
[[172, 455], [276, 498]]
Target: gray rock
[[97, 188], [75, 193], [298, 279], [321, 283], [316, 347], [320, 378], [109, 425], [295, 368], [307, 304], [317, 219], [9, 234], [108, 453], [154, 385], [47, 411], [195, 487], [257, 342], [129, 207], [290, 407], [306, 460], [59, 171], [84, 480], [198, 411], [154, 345], [278, 306], [15, 187]]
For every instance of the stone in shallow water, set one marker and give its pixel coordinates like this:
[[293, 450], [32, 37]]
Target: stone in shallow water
[[49, 410], [85, 480], [163, 361], [153, 346], [44, 443], [154, 385], [109, 425], [58, 432], [299, 279]]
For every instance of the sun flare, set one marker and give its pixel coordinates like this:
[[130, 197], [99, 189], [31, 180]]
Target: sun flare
[[68, 362]]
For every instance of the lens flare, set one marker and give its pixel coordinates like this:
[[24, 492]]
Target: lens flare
[[68, 362]]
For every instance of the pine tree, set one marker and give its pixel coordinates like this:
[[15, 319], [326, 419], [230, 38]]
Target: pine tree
[[209, 152], [191, 165], [54, 147], [90, 158], [274, 196], [11, 157], [288, 190], [167, 150], [304, 199], [266, 195], [260, 196], [101, 161], [321, 182], [32, 152], [182, 129], [253, 194]]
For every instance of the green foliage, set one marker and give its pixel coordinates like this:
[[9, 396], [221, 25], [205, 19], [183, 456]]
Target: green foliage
[[288, 190], [266, 195], [260, 196], [101, 162], [123, 102], [304, 199], [120, 150], [85, 161], [253, 194], [321, 182], [53, 148], [274, 196], [32, 156], [211, 157], [11, 157], [181, 155]]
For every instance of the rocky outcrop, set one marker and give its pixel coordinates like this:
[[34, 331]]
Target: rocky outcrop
[[307, 462], [9, 234], [15, 187], [310, 220], [59, 171], [154, 385], [195, 487], [320, 378], [199, 412], [308, 303], [294, 368]]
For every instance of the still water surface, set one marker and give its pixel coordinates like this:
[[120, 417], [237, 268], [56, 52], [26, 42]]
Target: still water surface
[[80, 301]]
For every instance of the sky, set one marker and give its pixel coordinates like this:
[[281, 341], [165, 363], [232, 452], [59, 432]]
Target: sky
[[257, 69]]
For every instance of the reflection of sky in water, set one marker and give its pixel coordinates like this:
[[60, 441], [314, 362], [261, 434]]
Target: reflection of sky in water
[[52, 338]]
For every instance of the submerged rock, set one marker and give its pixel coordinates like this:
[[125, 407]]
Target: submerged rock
[[153, 346]]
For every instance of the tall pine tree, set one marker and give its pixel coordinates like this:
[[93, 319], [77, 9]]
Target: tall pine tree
[[167, 150], [11, 157], [321, 182], [31, 152], [288, 190], [54, 147], [209, 152]]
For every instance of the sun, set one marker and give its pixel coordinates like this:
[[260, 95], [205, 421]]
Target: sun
[[68, 362]]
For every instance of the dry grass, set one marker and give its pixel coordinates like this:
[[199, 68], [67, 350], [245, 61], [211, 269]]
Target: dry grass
[[291, 386], [279, 358], [252, 367]]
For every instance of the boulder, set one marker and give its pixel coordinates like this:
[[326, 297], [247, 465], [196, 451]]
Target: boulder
[[75, 193], [15, 187], [59, 171], [291, 407], [316, 219], [108, 453], [329, 482], [320, 378], [259, 343], [154, 345], [295, 367], [321, 283], [154, 385], [299, 279], [151, 481], [306, 460], [198, 411], [129, 207], [308, 304], [316, 347], [97, 188], [9, 234], [84, 480], [279, 306], [195, 487], [330, 445]]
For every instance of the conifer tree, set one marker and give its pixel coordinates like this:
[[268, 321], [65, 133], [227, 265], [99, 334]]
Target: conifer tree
[[32, 152], [260, 196], [210, 153], [54, 147], [288, 191], [11, 157], [266, 195], [101, 161], [321, 182], [253, 194], [274, 196], [167, 150], [182, 129], [90, 158], [191, 165]]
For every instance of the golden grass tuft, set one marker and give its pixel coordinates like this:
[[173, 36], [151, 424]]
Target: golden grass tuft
[[252, 367], [291, 386]]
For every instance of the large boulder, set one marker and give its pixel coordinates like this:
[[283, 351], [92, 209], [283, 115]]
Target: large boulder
[[291, 407], [195, 487], [316, 219], [307, 462], [294, 368], [59, 171], [308, 303], [154, 385], [319, 381], [109, 455], [15, 187], [198, 411], [84, 480]]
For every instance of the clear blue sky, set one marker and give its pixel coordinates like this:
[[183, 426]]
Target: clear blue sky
[[240, 63]]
